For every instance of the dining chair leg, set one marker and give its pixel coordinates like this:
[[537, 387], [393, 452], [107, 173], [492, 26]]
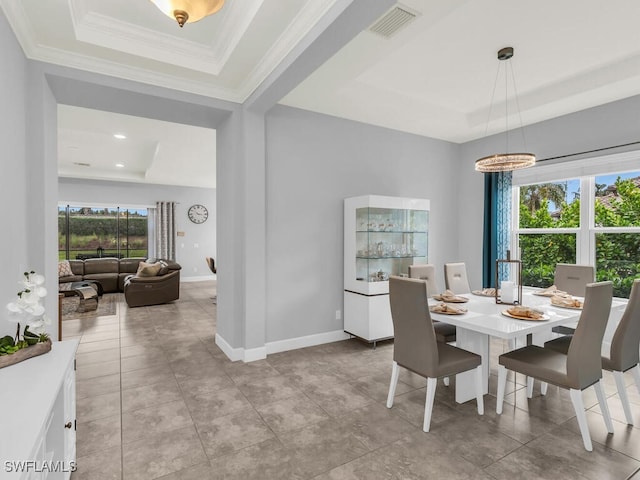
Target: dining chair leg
[[446, 382], [581, 416], [502, 383], [622, 393], [604, 406], [428, 403], [635, 371], [530, 387], [543, 388], [479, 390], [395, 372]]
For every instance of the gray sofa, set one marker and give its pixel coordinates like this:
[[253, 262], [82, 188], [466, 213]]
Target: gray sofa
[[119, 275]]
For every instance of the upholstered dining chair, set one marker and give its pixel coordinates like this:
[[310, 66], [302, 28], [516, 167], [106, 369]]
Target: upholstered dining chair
[[455, 278], [427, 272], [579, 369], [624, 352], [416, 349], [212, 266], [573, 279]]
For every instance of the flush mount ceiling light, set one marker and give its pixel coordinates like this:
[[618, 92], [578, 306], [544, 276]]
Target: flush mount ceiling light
[[119, 136], [505, 162], [188, 11], [119, 165]]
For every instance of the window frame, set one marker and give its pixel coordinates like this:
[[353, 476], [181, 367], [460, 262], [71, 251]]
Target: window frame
[[584, 170]]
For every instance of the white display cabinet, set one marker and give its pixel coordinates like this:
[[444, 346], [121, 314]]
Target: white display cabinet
[[382, 237]]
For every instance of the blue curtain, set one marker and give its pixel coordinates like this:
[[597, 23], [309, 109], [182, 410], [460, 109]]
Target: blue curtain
[[497, 220]]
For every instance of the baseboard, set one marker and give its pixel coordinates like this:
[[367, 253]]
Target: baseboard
[[234, 354], [202, 278], [306, 341], [260, 353], [244, 354]]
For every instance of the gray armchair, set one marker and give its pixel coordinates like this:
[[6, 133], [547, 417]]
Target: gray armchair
[[163, 288]]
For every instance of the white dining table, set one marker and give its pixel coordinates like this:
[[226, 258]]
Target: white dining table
[[484, 319]]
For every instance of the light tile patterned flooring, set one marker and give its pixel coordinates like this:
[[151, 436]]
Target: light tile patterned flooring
[[156, 398]]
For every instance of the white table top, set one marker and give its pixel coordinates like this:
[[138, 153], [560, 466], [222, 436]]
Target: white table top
[[485, 316]]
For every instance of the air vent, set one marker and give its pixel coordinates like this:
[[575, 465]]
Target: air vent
[[393, 21], [82, 164]]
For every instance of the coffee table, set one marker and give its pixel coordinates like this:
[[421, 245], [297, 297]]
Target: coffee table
[[88, 291]]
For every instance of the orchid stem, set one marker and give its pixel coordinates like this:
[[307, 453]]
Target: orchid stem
[[17, 333]]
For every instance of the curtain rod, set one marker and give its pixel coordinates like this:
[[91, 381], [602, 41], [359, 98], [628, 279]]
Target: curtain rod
[[589, 151]]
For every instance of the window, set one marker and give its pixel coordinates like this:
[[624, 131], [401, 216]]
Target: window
[[89, 232], [592, 220]]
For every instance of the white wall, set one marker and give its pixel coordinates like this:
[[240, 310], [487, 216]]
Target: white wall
[[13, 179], [315, 161], [78, 192]]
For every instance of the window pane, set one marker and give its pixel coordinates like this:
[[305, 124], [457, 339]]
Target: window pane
[[540, 253], [133, 236], [62, 233], [617, 202], [104, 232], [618, 260], [550, 205]]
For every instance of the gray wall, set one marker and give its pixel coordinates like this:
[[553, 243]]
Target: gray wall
[[14, 257], [191, 258], [315, 161], [608, 125]]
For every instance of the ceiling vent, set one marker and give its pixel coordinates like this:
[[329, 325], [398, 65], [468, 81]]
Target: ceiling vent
[[393, 21]]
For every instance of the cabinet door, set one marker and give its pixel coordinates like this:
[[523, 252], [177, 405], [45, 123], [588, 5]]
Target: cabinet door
[[69, 390]]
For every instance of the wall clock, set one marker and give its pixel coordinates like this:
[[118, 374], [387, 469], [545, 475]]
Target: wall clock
[[198, 213]]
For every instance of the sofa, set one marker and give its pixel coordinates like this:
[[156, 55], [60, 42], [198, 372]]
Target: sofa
[[121, 275]]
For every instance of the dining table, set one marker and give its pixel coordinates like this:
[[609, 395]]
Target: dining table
[[484, 319]]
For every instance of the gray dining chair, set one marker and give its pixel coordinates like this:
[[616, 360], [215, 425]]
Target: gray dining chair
[[427, 272], [573, 279], [455, 278], [624, 351], [416, 349], [579, 369]]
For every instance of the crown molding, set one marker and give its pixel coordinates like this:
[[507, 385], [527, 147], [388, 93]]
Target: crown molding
[[85, 21], [133, 73]]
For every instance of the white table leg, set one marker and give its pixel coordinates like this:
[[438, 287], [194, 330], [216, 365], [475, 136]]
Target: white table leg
[[466, 381]]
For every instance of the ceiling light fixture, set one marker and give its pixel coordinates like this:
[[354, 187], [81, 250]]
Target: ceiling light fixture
[[119, 136], [119, 165], [188, 11], [505, 162]]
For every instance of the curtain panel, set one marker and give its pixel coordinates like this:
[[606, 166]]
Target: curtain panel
[[497, 226], [165, 230]]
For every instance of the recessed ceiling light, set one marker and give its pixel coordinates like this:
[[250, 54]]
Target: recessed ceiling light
[[119, 165], [119, 136]]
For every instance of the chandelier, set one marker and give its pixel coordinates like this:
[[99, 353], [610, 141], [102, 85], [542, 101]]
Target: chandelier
[[505, 162], [188, 11]]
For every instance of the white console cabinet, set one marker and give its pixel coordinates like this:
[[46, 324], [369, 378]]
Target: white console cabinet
[[382, 237], [38, 416]]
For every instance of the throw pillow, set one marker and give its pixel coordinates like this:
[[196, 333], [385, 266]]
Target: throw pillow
[[148, 269], [64, 269], [164, 267]]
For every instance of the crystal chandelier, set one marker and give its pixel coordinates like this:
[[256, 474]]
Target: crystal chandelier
[[505, 162]]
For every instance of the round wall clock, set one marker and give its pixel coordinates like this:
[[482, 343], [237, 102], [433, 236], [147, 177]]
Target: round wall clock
[[198, 213]]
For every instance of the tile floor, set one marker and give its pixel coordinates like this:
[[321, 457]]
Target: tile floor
[[156, 398]]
